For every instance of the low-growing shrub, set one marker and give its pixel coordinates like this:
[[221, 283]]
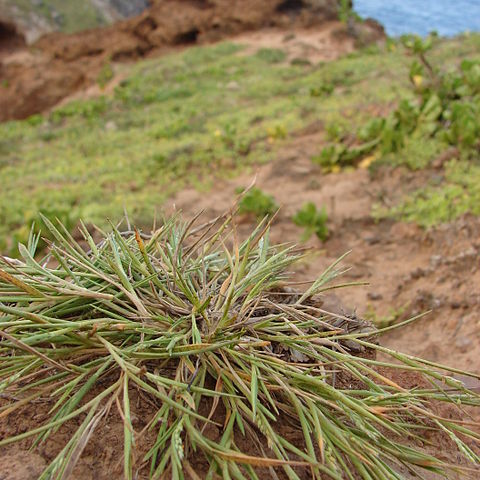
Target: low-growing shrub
[[335, 156], [271, 55], [322, 90], [313, 220], [105, 75], [88, 109], [445, 107], [258, 203]]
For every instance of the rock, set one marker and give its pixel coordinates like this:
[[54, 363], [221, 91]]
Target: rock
[[418, 273], [436, 261], [367, 32], [372, 239]]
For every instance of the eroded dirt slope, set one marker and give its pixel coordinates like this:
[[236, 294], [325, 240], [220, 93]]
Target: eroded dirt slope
[[36, 78]]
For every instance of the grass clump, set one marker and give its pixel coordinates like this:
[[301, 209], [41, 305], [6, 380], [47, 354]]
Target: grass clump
[[313, 220], [209, 335], [271, 55], [105, 75], [257, 202]]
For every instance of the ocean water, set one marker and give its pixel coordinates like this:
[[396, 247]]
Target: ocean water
[[447, 17]]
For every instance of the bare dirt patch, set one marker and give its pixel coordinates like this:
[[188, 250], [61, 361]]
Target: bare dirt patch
[[308, 45], [409, 270]]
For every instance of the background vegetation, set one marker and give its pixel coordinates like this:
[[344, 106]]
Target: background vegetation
[[214, 111]]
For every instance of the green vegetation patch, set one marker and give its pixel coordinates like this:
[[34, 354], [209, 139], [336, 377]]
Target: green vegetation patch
[[459, 193], [182, 119], [313, 220], [188, 118], [65, 15], [439, 114], [258, 203]]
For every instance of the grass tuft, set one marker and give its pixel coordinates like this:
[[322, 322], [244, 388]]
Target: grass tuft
[[207, 329]]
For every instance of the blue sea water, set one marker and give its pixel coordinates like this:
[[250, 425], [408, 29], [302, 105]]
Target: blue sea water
[[447, 17]]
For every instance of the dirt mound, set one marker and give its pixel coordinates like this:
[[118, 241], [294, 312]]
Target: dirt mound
[[103, 454], [58, 64]]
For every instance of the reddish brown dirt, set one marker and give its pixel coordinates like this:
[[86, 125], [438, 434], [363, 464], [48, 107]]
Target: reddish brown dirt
[[407, 267], [102, 458], [36, 78]]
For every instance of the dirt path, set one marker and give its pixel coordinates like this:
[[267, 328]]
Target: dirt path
[[409, 270]]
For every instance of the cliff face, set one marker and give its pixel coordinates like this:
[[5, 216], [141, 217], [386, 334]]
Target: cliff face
[[60, 64]]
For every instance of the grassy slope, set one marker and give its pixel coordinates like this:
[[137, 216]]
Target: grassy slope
[[187, 118], [73, 15]]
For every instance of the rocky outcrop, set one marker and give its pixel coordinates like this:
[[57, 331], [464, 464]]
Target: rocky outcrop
[[64, 63]]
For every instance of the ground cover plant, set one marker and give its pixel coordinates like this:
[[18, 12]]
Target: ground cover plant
[[437, 118], [205, 328], [313, 220], [65, 15], [186, 118], [257, 203]]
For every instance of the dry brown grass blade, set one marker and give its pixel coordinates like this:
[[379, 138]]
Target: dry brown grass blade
[[18, 283], [259, 461]]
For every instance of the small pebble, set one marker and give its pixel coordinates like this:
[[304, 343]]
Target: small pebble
[[463, 344], [435, 260], [372, 240]]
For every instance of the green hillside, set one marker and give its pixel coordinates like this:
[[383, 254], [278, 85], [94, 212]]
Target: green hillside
[[69, 15], [211, 112]]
